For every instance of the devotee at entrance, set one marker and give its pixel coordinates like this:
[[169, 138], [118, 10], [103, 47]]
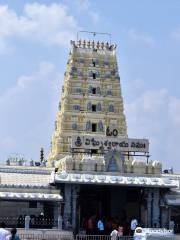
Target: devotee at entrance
[[3, 232], [114, 234], [134, 224], [100, 226]]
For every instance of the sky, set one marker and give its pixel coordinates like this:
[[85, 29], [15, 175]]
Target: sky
[[34, 46]]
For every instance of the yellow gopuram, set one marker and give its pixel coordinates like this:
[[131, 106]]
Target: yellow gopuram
[[91, 105]]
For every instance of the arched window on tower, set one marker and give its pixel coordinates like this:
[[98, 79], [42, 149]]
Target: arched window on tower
[[90, 74], [106, 63], [94, 127], [94, 108], [100, 126], [98, 90], [93, 62], [74, 126], [94, 75], [80, 74], [107, 75], [99, 108], [97, 74], [93, 90], [76, 107], [81, 60], [89, 106], [111, 108], [88, 126], [90, 89], [109, 92], [78, 90]]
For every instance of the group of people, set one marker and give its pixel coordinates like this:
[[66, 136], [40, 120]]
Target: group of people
[[120, 231], [8, 235], [109, 226]]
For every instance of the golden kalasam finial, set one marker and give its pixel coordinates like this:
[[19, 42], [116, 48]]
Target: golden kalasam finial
[[88, 44], [93, 44], [102, 45], [98, 45], [84, 44], [107, 45], [79, 42]]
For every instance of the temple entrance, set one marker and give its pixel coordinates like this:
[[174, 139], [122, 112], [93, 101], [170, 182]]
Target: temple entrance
[[110, 203]]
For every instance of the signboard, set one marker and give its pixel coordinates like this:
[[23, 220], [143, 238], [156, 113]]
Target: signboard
[[107, 143]]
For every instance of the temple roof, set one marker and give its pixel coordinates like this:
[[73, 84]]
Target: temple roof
[[25, 176], [26, 169]]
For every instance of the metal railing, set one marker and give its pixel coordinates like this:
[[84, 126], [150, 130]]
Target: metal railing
[[101, 237], [42, 222], [42, 236]]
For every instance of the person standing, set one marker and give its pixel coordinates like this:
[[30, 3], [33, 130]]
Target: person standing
[[114, 234], [3, 232], [134, 224], [90, 226], [120, 231], [13, 235], [100, 226]]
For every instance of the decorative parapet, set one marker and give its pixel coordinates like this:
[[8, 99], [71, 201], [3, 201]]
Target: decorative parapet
[[93, 45], [99, 163], [139, 167], [154, 167]]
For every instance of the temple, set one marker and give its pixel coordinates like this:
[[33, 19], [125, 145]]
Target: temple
[[94, 167], [100, 170]]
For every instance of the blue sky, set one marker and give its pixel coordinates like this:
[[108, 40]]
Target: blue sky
[[34, 42]]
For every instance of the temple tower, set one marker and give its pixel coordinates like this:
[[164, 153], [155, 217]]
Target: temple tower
[[91, 98]]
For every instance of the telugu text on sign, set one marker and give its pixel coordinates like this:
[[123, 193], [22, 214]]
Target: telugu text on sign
[[121, 144]]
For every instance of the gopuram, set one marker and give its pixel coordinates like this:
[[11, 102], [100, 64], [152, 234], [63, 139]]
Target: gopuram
[[94, 169]]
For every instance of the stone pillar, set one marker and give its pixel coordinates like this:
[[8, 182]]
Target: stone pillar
[[27, 222], [169, 217], [155, 208], [67, 206], [60, 220], [57, 214], [149, 206], [74, 207]]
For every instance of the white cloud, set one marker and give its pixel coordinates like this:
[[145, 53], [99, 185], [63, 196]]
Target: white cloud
[[155, 114], [25, 82], [49, 24], [141, 37], [28, 111]]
